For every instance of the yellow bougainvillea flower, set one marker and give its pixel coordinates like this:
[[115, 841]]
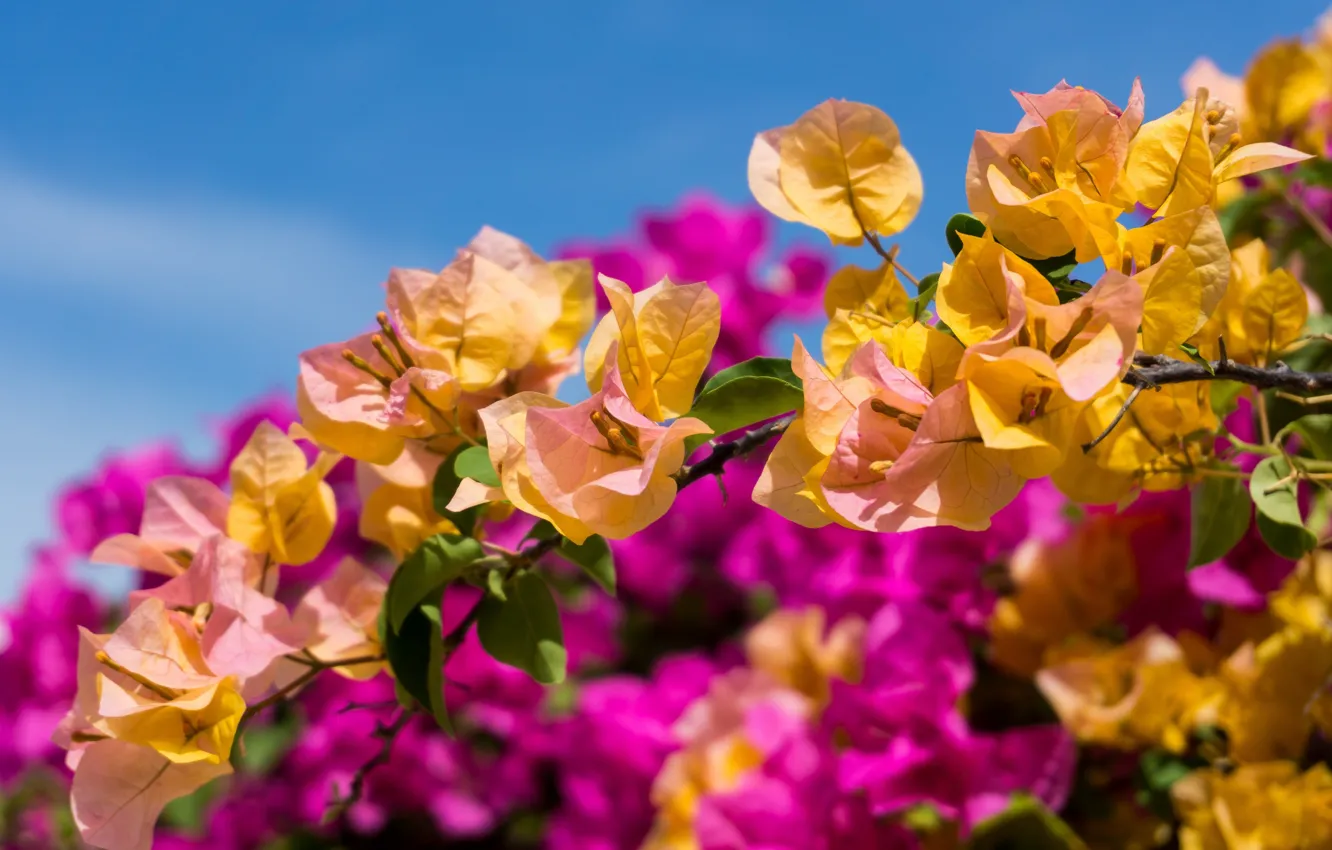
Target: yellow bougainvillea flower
[[1256, 806], [1268, 687], [496, 320], [1176, 162], [1052, 186], [597, 467], [1088, 136], [1020, 408], [397, 506], [1264, 310], [985, 286], [1140, 694], [840, 168], [1155, 447], [147, 684], [1063, 588], [280, 506], [665, 336], [1198, 237], [179, 513], [343, 614], [791, 647]]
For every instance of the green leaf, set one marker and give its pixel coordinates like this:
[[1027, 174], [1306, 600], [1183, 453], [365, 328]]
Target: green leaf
[[1056, 268], [757, 389], [265, 746], [437, 562], [1278, 505], [415, 653], [474, 462], [594, 556], [524, 630], [929, 284], [1192, 351], [962, 223], [443, 489], [495, 584], [1158, 771], [1025, 825], [1316, 434], [1220, 518], [1313, 172], [1225, 397]]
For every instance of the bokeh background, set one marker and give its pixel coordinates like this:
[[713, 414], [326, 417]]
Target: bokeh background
[[192, 193]]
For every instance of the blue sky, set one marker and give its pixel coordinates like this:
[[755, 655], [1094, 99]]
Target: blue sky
[[192, 193]]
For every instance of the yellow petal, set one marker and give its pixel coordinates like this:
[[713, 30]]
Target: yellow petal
[[844, 169], [1198, 232], [1274, 314], [975, 295], [621, 324], [678, 328], [1171, 305], [765, 162], [1283, 83], [269, 461], [784, 484], [578, 309], [876, 291], [845, 332], [931, 355], [1250, 159], [1169, 165]]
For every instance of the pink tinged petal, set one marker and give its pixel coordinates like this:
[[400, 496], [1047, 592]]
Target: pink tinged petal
[[342, 406], [158, 645], [120, 789], [343, 612], [128, 550], [180, 512], [1204, 73], [439, 387], [1116, 303], [946, 476], [471, 493], [896, 385]]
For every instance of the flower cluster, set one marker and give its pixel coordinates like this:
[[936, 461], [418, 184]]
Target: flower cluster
[[437, 601]]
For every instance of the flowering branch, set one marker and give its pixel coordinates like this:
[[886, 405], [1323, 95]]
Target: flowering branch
[[723, 452], [387, 735]]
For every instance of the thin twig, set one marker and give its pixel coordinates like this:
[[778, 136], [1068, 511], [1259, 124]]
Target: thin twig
[[1128, 402], [1157, 369], [723, 452], [387, 735]]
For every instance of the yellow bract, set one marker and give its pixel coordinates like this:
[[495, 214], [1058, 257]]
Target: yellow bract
[[1283, 84], [1262, 313], [666, 335], [279, 507], [840, 168], [976, 293]]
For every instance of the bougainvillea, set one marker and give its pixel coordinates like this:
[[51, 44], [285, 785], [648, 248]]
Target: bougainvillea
[[1013, 559]]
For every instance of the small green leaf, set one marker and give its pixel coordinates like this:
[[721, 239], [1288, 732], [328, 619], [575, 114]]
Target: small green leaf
[[962, 223], [1316, 434], [1220, 518], [1056, 268], [594, 556], [1225, 397], [1158, 771], [1192, 351], [495, 584], [1025, 825], [524, 630], [757, 389], [474, 462], [443, 489], [415, 653], [437, 562], [925, 290], [1275, 494]]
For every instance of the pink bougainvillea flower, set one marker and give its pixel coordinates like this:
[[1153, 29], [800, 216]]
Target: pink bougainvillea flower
[[343, 612], [242, 631], [597, 467], [178, 514], [120, 790]]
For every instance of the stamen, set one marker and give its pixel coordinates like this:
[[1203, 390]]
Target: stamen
[[1126, 263], [1079, 325], [392, 336], [1213, 116], [1040, 332], [1037, 182], [879, 467], [882, 407], [1033, 404], [201, 614], [1158, 251], [1231, 143], [105, 661], [1034, 180], [909, 421], [620, 444], [599, 419], [359, 363], [1047, 166], [1024, 337], [378, 342]]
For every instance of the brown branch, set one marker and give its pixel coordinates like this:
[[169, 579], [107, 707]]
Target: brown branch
[[1128, 402], [1157, 369], [387, 735], [723, 452]]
